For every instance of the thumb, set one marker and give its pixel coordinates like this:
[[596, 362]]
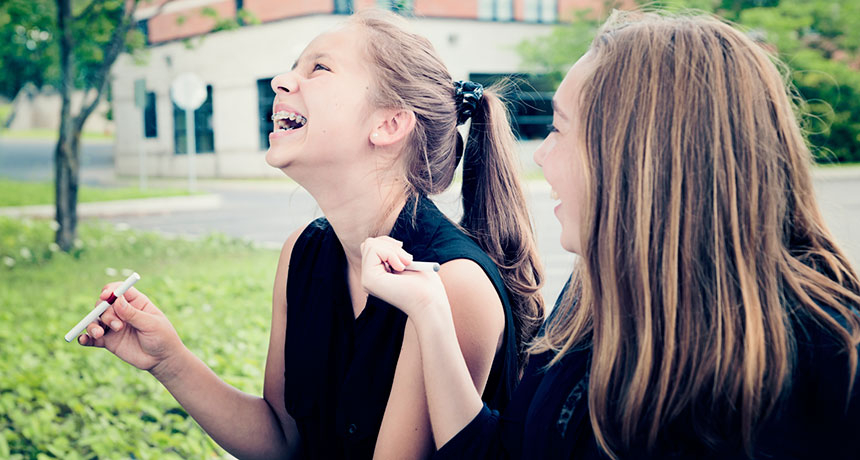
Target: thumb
[[140, 319]]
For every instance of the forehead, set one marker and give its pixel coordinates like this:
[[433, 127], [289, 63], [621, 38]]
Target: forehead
[[343, 44], [569, 89]]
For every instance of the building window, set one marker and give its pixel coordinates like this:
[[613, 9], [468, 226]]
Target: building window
[[143, 27], [548, 10], [541, 11], [150, 125], [343, 7], [530, 104], [265, 99], [402, 7], [496, 10], [204, 136]]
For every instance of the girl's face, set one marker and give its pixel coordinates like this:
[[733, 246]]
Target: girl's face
[[322, 106], [561, 157]]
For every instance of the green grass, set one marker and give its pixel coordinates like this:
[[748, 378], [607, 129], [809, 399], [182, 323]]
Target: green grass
[[48, 134], [60, 400], [17, 193], [5, 111]]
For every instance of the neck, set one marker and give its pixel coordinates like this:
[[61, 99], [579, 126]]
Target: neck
[[358, 208]]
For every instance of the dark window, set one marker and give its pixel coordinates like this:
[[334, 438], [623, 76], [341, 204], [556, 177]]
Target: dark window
[[541, 11], [402, 7], [496, 10], [204, 136], [529, 103], [265, 99], [343, 7], [150, 125], [143, 27], [239, 13]]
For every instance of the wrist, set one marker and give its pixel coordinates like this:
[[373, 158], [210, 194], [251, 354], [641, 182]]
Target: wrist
[[433, 315], [172, 366]]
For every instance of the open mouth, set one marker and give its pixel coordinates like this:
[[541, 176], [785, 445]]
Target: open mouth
[[288, 121]]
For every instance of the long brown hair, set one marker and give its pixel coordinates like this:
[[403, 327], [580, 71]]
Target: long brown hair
[[410, 75], [702, 237]]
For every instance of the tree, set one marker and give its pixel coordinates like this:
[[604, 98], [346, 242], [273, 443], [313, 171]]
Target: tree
[[819, 40], [27, 49], [105, 24]]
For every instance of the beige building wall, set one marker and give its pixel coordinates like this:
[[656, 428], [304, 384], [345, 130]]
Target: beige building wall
[[233, 61]]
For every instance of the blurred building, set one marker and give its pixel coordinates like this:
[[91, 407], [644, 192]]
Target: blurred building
[[475, 38]]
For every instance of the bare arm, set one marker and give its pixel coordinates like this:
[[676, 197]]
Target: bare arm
[[477, 321], [247, 426]]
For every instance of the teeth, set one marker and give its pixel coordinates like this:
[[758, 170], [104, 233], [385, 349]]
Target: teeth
[[281, 120], [553, 194], [287, 116]]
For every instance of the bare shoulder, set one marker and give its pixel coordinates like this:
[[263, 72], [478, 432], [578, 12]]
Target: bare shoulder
[[287, 248], [279, 294], [475, 303]]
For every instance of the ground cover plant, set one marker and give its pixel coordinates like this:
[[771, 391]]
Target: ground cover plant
[[60, 400]]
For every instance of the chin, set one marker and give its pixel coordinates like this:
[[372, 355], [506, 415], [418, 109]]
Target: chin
[[570, 246], [277, 159]]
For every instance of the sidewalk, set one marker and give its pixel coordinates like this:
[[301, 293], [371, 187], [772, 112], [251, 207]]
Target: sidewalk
[[216, 187], [138, 207]]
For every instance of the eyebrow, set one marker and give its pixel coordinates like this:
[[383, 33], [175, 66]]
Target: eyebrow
[[312, 57], [558, 111]]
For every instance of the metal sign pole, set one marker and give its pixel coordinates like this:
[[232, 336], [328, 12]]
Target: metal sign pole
[[189, 93], [140, 102], [192, 149]]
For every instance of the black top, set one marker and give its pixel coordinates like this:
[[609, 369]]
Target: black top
[[547, 417], [339, 369]]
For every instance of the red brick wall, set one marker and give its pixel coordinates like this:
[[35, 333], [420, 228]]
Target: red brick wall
[[271, 10], [566, 8], [166, 25], [362, 4], [519, 10], [446, 8]]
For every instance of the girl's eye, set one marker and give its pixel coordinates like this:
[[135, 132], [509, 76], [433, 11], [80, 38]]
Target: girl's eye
[[551, 128], [320, 67]]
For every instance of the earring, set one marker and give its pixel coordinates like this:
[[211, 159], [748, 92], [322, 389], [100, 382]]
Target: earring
[[374, 135]]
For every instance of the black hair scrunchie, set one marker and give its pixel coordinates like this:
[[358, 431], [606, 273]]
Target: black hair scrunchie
[[467, 95]]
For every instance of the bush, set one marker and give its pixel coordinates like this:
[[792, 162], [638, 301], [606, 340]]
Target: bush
[[60, 400]]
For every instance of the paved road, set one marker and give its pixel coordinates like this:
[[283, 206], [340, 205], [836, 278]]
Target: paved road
[[33, 160], [268, 211]]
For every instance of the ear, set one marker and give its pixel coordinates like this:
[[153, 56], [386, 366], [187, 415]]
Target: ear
[[391, 127]]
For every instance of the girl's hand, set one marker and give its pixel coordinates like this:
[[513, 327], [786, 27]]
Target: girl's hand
[[383, 275], [133, 329]]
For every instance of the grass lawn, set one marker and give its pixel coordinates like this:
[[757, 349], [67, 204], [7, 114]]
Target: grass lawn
[[16, 193], [5, 111], [60, 400]]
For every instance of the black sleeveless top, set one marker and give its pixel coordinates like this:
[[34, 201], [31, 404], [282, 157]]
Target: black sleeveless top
[[339, 369]]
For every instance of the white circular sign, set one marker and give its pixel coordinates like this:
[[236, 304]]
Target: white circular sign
[[188, 91]]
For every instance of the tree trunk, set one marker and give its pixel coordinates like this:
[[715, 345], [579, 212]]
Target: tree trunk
[[66, 166], [66, 171]]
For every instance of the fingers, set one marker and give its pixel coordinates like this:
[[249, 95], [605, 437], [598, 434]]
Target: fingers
[[110, 318], [391, 240], [95, 330], [88, 341], [136, 298], [385, 251], [135, 315]]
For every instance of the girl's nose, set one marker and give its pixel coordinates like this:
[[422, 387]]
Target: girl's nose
[[285, 83]]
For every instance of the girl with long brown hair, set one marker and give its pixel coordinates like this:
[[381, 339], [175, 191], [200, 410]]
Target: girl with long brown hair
[[711, 313], [366, 120]]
